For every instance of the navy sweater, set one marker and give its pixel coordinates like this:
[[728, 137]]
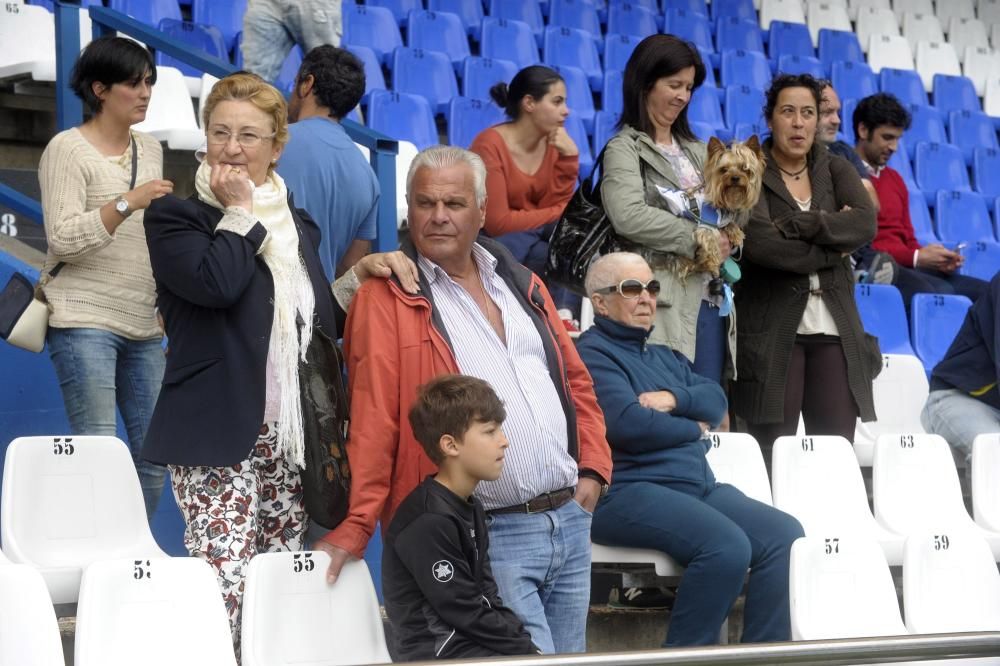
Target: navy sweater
[[646, 444]]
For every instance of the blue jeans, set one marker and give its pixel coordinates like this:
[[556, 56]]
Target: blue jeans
[[959, 418], [541, 562], [717, 533], [272, 27], [98, 369]]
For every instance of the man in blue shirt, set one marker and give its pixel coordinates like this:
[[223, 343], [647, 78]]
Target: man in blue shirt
[[323, 169]]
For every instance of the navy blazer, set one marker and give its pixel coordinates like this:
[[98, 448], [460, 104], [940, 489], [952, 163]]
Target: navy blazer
[[216, 297]]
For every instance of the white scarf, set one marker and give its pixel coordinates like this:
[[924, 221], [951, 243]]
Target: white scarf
[[293, 295]]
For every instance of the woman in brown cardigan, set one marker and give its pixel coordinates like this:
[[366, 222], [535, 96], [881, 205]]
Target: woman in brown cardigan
[[801, 346]]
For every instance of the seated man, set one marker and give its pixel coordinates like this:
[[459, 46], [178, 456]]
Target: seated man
[[664, 495], [964, 400], [879, 122]]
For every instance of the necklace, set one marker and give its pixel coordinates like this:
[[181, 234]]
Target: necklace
[[498, 327], [797, 175]]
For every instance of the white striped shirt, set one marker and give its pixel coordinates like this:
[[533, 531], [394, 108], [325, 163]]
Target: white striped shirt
[[537, 460]]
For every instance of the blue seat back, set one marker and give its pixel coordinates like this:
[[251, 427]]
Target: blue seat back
[[438, 31], [794, 64], [578, 97], [402, 116], [745, 67], [986, 172], [508, 39], [480, 74], [955, 93], [468, 117], [743, 9], [629, 19], [374, 27], [962, 216], [982, 260], [207, 38], [618, 49], [970, 130], [853, 80], [578, 132], [905, 84], [692, 26], [579, 14], [611, 95], [744, 105], [934, 322], [604, 128], [704, 131], [400, 8], [704, 107], [744, 131], [920, 218], [529, 13], [226, 16], [469, 11], [150, 12], [847, 106], [883, 315], [926, 124], [688, 5], [706, 59], [789, 39], [939, 166], [735, 33], [426, 73], [900, 161], [576, 48], [289, 70], [374, 79], [839, 46]]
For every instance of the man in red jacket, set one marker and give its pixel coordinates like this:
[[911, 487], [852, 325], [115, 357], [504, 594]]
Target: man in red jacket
[[879, 122]]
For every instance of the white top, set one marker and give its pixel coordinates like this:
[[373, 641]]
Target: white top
[[816, 320]]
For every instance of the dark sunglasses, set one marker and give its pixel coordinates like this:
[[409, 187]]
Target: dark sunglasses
[[632, 288]]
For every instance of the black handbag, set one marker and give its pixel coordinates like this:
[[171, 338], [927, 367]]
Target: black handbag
[[326, 478]]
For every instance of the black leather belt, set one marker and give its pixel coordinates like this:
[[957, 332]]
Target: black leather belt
[[544, 502]]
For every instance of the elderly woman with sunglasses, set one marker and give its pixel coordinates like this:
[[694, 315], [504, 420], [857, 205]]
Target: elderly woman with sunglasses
[[664, 495]]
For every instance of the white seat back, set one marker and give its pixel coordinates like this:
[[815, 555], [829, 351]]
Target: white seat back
[[874, 21], [44, 69], [586, 314], [989, 11], [966, 32], [949, 9], [841, 588], [900, 392], [855, 6], [991, 96], [407, 151], [901, 7], [68, 501], [207, 83], [663, 564], [28, 35], [292, 616], [29, 633], [986, 481], [154, 612], [170, 116], [980, 65], [921, 28], [822, 14], [936, 58], [781, 10], [950, 583], [736, 459]]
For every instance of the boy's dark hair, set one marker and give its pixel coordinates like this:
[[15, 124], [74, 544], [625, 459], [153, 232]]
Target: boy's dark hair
[[448, 405], [880, 109], [783, 81], [338, 78], [109, 60]]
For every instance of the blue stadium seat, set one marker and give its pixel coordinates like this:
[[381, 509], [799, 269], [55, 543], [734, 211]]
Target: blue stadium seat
[[576, 48], [150, 12], [846, 119], [374, 79], [962, 216], [704, 131], [468, 117], [883, 315], [578, 96], [920, 218], [207, 38], [426, 73], [934, 322], [629, 19], [982, 260], [735, 33], [470, 11], [611, 93], [692, 26], [402, 116], [746, 68], [579, 14], [704, 108], [226, 16], [512, 40], [618, 49], [576, 130], [853, 80], [900, 161], [789, 39], [604, 128], [839, 46], [955, 93], [793, 64], [927, 124], [744, 131], [687, 5], [744, 105], [939, 166], [986, 172], [651, 5], [905, 84], [438, 31], [480, 74], [707, 59], [400, 8], [374, 27], [743, 9], [525, 12], [970, 130], [289, 70]]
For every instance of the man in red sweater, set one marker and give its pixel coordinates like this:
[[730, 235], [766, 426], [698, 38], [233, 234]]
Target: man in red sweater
[[879, 122]]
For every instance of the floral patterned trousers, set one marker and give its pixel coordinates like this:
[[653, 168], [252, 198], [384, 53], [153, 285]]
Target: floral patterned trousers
[[233, 513]]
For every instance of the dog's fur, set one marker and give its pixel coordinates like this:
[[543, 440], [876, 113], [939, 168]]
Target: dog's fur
[[733, 177]]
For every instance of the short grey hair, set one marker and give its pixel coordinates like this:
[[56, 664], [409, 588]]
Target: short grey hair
[[604, 271], [441, 157]]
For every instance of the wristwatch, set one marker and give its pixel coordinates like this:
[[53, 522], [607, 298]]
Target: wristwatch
[[121, 205], [591, 474]]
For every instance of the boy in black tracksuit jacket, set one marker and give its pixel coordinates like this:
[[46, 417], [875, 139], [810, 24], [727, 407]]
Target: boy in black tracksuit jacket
[[440, 594]]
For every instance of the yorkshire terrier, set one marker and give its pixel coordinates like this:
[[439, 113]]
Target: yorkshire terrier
[[733, 177]]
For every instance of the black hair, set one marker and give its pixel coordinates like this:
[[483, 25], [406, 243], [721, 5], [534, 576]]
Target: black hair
[[338, 78], [534, 81], [783, 81], [880, 109], [110, 60], [654, 58]]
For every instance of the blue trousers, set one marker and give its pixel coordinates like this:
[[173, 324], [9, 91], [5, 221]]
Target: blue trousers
[[98, 369], [716, 533]]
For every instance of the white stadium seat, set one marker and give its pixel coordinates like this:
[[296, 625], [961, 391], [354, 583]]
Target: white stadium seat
[[69, 501], [736, 459], [921, 28], [995, 35], [986, 481], [891, 51], [28, 35], [818, 480], [292, 616], [586, 314], [45, 68], [979, 65], [900, 7], [936, 58], [841, 588], [967, 32], [989, 11], [991, 96], [611, 557], [407, 151], [949, 9], [822, 14], [789, 11], [207, 83], [154, 612], [874, 21], [29, 633], [170, 116], [854, 6], [900, 392]]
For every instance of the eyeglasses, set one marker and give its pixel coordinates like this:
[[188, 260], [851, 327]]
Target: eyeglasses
[[220, 137], [632, 288]]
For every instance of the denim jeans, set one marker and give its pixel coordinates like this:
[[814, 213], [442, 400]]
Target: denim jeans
[[717, 533], [272, 27], [98, 369], [958, 417], [541, 562]]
